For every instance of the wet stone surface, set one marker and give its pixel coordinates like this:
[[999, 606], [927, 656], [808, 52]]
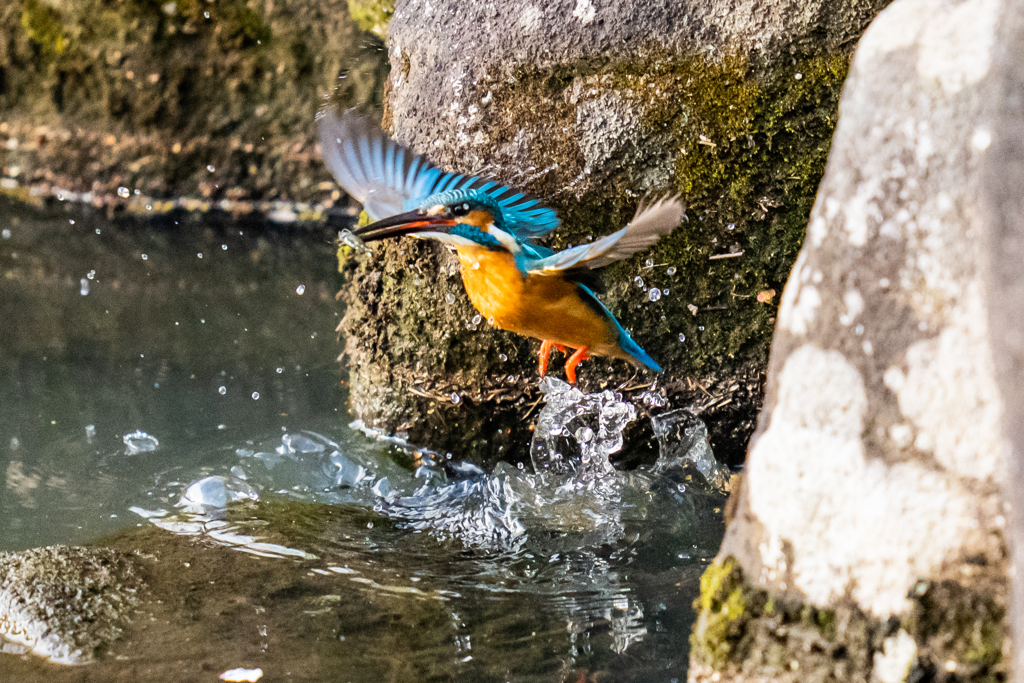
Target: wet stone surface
[[66, 603]]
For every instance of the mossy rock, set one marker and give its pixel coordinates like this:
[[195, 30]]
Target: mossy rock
[[372, 15], [743, 632], [178, 98], [591, 113]]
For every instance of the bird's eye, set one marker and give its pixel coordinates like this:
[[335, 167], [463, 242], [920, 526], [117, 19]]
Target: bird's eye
[[460, 209]]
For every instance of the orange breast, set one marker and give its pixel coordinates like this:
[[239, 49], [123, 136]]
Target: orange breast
[[539, 306]]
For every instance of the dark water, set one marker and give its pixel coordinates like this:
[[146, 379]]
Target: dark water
[[436, 573]]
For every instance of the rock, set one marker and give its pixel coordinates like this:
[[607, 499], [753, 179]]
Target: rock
[[873, 497], [66, 603], [210, 100], [590, 106], [1003, 176]]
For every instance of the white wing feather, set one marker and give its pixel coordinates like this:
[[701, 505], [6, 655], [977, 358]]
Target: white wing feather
[[648, 225]]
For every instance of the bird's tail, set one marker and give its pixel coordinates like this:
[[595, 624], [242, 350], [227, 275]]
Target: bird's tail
[[634, 350], [637, 355]]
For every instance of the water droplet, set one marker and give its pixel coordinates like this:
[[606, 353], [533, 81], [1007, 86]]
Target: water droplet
[[654, 294], [97, 231], [145, 257], [224, 247], [123, 191], [682, 337], [139, 442], [638, 281], [222, 390], [210, 168], [300, 290], [665, 292], [72, 221], [84, 291], [700, 327], [450, 298], [490, 320], [477, 319], [476, 265], [671, 270], [91, 274], [60, 197], [255, 395], [584, 434], [6, 234], [502, 357], [649, 263], [732, 226], [280, 371], [149, 207], [137, 192], [798, 76], [456, 399], [200, 254]]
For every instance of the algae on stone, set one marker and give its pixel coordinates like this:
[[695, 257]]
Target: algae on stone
[[743, 632]]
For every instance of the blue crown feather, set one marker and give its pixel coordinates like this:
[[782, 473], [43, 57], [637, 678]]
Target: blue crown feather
[[387, 179]]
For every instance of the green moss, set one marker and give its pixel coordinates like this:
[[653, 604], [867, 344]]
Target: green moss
[[372, 15], [957, 627], [43, 27], [720, 607]]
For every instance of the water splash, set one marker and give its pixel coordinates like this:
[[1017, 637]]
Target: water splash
[[576, 432], [139, 442], [683, 442]]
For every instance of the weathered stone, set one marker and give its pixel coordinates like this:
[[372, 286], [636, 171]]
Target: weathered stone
[[177, 98], [589, 106], [1003, 168], [66, 603], [874, 480]]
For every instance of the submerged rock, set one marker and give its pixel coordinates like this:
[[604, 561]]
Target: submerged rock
[[66, 603], [589, 106], [871, 520]]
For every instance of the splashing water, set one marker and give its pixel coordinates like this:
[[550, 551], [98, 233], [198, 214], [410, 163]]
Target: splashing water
[[139, 442], [683, 441], [569, 415]]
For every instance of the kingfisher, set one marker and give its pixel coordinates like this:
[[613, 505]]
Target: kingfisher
[[515, 283]]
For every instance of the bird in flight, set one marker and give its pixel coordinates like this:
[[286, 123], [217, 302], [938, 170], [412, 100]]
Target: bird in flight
[[516, 284]]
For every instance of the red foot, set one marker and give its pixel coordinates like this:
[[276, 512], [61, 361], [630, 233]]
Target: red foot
[[545, 354], [574, 360]]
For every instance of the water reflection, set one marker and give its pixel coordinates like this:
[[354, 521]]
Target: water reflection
[[148, 349], [363, 554]]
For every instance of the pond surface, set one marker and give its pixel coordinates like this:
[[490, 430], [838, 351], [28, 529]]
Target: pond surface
[[137, 358]]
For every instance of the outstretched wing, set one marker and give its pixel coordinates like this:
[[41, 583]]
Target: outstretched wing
[[388, 179], [647, 226], [376, 171]]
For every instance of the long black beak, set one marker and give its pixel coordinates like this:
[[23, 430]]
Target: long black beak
[[403, 224]]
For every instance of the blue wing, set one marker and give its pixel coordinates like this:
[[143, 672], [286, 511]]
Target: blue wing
[[523, 216], [374, 170], [388, 179]]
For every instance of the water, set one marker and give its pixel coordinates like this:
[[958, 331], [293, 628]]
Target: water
[[113, 418]]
